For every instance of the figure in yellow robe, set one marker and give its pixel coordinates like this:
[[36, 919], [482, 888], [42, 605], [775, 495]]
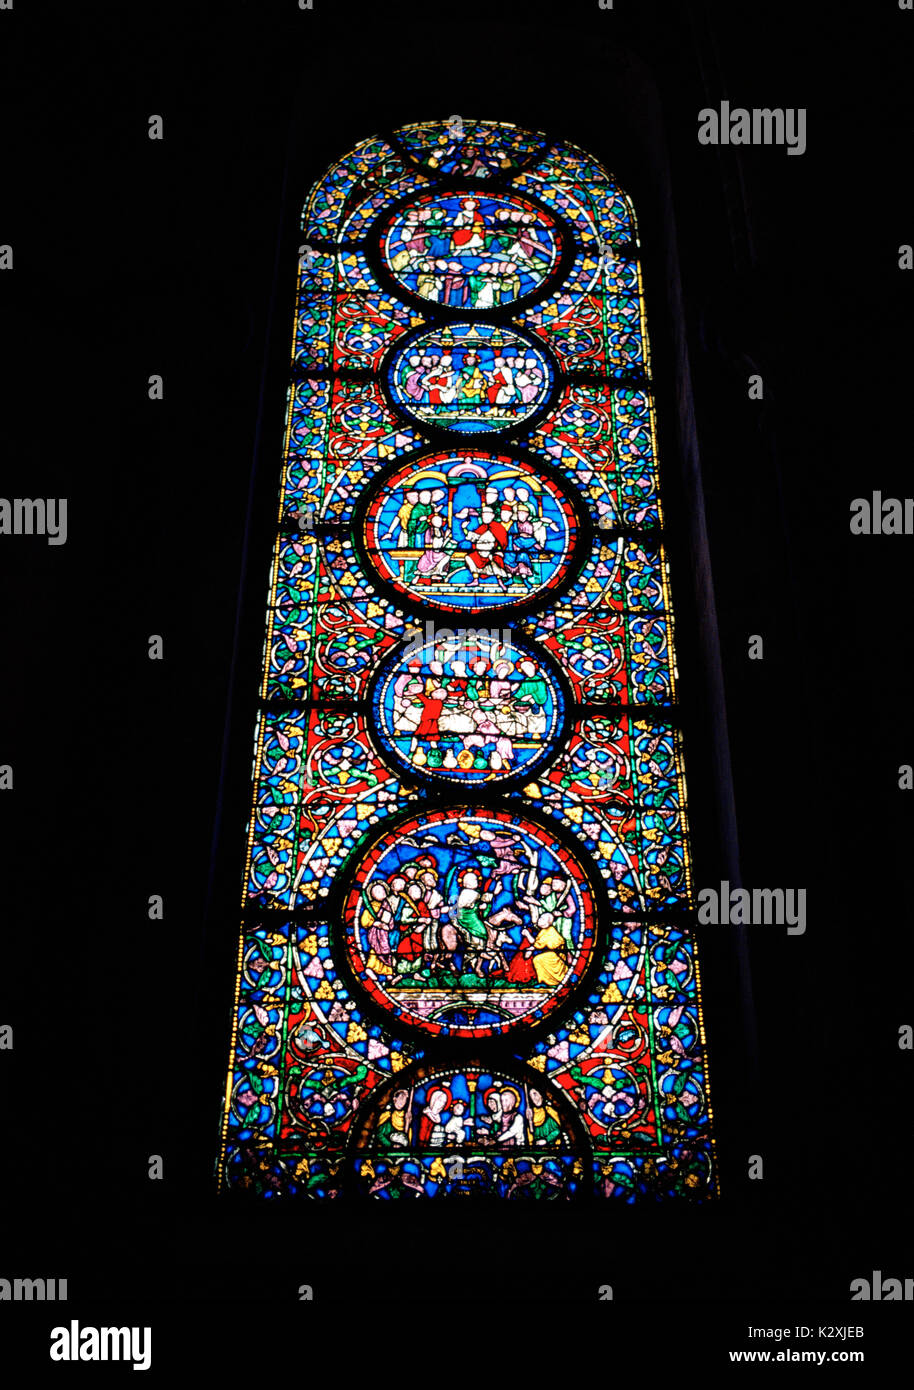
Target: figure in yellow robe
[[374, 921], [393, 1123], [549, 959]]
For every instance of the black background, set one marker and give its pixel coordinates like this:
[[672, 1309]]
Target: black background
[[178, 257]]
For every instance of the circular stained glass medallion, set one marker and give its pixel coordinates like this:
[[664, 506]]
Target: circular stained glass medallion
[[473, 378], [465, 532], [474, 251], [468, 706], [469, 923]]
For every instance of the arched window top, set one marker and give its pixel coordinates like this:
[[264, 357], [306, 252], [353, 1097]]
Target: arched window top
[[427, 155], [470, 149]]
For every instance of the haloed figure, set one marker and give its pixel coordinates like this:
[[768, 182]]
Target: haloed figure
[[393, 1123]]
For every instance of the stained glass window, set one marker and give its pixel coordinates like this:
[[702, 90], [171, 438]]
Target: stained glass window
[[466, 962]]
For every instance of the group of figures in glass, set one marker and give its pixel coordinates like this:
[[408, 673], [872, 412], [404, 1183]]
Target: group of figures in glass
[[469, 717], [471, 252], [467, 921], [471, 378], [467, 1108], [454, 529], [474, 539]]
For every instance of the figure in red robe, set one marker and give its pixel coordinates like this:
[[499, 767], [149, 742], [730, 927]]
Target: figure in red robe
[[490, 540], [432, 705], [469, 228], [499, 380], [521, 971]]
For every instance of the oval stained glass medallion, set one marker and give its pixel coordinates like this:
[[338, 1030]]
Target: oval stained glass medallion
[[468, 923], [474, 251], [469, 707], [474, 378], [465, 532]]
